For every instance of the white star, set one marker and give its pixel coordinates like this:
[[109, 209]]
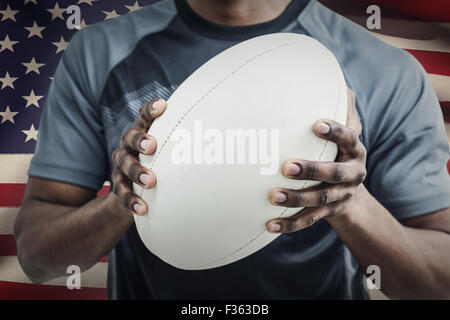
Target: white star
[[8, 13], [57, 12], [31, 134], [61, 45], [33, 1], [33, 66], [7, 115], [89, 2], [134, 7], [110, 14], [35, 30], [32, 99], [7, 81], [7, 44]]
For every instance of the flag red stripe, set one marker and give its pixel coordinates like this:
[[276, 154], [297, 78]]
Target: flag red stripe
[[104, 190], [8, 246], [445, 106], [27, 291], [11, 194], [434, 10], [433, 61]]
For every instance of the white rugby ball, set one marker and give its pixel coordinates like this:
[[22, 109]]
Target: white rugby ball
[[221, 143]]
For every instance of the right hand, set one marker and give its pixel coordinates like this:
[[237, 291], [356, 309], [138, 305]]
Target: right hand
[[125, 159]]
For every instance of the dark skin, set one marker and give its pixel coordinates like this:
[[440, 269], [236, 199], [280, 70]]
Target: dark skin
[[60, 224]]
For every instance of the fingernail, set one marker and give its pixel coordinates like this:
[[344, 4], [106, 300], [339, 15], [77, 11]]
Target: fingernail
[[275, 227], [293, 169], [138, 209], [145, 144], [280, 197], [145, 179], [323, 128], [157, 105]]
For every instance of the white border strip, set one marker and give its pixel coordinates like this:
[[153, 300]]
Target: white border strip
[[95, 277]]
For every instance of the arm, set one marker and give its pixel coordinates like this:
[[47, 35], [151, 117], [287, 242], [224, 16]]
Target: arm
[[413, 256], [61, 224]]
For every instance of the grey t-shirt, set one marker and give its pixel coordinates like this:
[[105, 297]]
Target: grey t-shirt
[[111, 68]]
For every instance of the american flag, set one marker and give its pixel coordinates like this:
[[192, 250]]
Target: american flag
[[34, 35]]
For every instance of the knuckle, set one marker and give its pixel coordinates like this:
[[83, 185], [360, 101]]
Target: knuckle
[[336, 130], [291, 225], [117, 156], [121, 157], [324, 197], [115, 175], [114, 156], [134, 171], [340, 173], [145, 107], [354, 139], [136, 140], [128, 200], [297, 198], [362, 176], [146, 110], [312, 169], [119, 186]]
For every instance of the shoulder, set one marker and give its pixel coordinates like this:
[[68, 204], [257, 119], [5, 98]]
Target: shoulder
[[96, 49], [388, 81]]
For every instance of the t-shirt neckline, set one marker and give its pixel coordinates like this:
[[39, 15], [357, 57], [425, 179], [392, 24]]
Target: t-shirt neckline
[[238, 33]]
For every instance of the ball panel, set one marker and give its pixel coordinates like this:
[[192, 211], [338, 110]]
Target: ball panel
[[203, 216]]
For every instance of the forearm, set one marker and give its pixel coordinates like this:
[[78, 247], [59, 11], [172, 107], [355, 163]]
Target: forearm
[[414, 263], [68, 235]]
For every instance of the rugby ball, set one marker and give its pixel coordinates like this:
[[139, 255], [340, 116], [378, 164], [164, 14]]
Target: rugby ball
[[221, 143]]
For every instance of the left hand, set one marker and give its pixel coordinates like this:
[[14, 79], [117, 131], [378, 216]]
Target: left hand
[[342, 180]]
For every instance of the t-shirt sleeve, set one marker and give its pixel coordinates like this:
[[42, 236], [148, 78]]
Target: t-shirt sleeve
[[409, 150], [71, 144]]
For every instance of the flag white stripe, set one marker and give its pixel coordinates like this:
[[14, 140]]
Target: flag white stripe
[[429, 36], [14, 167], [441, 85], [7, 217], [10, 270], [440, 44], [447, 130]]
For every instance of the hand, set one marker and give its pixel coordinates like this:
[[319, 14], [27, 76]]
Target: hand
[[342, 179], [126, 164]]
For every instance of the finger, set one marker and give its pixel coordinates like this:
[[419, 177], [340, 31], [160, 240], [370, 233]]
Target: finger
[[330, 172], [129, 165], [149, 112], [311, 197], [346, 138], [123, 191], [139, 141], [305, 218], [352, 115]]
